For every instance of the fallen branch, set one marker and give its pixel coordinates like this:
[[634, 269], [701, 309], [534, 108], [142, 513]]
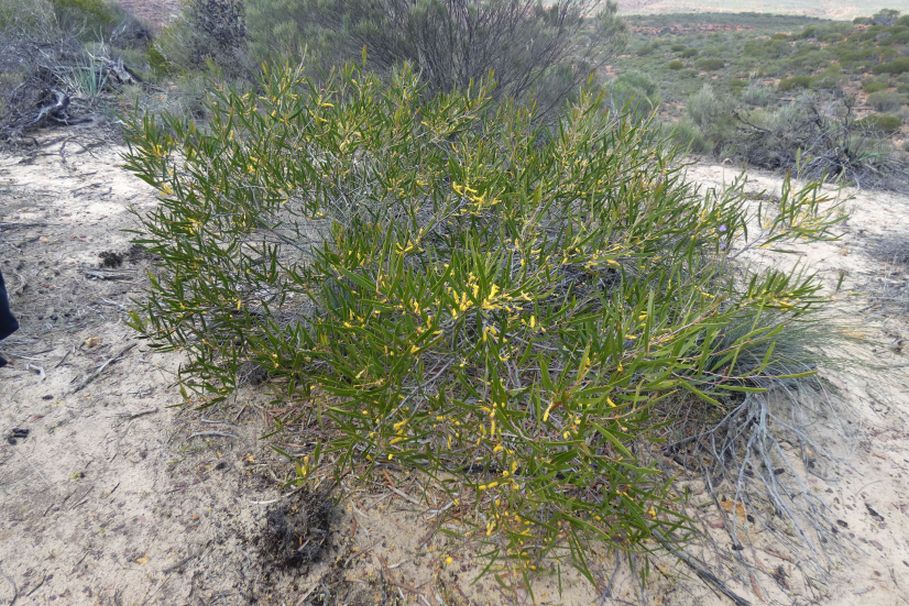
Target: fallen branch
[[54, 110], [101, 368], [106, 275], [702, 573], [129, 416], [212, 434]]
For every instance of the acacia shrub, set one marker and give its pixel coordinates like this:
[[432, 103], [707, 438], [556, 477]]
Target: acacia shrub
[[505, 310]]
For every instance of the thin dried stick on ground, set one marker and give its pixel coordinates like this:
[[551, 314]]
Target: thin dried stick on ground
[[101, 368]]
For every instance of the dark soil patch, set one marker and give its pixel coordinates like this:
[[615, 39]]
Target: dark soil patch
[[134, 254], [298, 530], [111, 259]]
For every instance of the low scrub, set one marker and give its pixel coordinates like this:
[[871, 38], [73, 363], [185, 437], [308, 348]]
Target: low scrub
[[874, 86], [536, 50], [209, 33], [887, 101], [711, 65], [795, 82], [897, 66], [633, 94], [881, 123], [514, 314]]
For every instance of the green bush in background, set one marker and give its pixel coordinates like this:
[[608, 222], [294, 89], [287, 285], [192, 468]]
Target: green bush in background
[[795, 82], [94, 18], [887, 101], [873, 86], [633, 93], [881, 123], [711, 65], [897, 66], [539, 51], [513, 313], [757, 94]]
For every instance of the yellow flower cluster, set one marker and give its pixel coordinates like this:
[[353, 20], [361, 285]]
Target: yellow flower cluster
[[478, 201]]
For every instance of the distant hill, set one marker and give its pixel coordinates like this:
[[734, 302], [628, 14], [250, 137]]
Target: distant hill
[[829, 9]]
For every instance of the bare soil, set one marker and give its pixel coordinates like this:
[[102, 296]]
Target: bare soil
[[112, 492]]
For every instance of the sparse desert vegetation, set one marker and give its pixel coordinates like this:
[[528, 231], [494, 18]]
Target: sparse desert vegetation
[[438, 302], [769, 90]]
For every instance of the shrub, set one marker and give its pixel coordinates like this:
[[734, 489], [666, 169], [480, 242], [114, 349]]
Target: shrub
[[886, 101], [507, 311], [714, 117], [817, 134], [881, 123], [711, 65], [536, 50], [704, 107], [897, 66], [633, 93], [676, 65], [873, 86], [688, 136], [757, 94], [794, 82], [688, 53], [44, 54], [887, 16], [94, 18], [209, 32]]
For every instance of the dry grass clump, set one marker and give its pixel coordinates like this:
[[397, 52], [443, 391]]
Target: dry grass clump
[[892, 289]]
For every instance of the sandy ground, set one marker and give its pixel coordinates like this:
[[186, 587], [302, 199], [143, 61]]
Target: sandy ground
[[117, 495]]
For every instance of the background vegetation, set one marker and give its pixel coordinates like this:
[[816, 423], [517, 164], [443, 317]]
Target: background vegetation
[[51, 49], [782, 92]]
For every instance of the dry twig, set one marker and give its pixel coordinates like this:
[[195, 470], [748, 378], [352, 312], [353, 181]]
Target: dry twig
[[98, 372]]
